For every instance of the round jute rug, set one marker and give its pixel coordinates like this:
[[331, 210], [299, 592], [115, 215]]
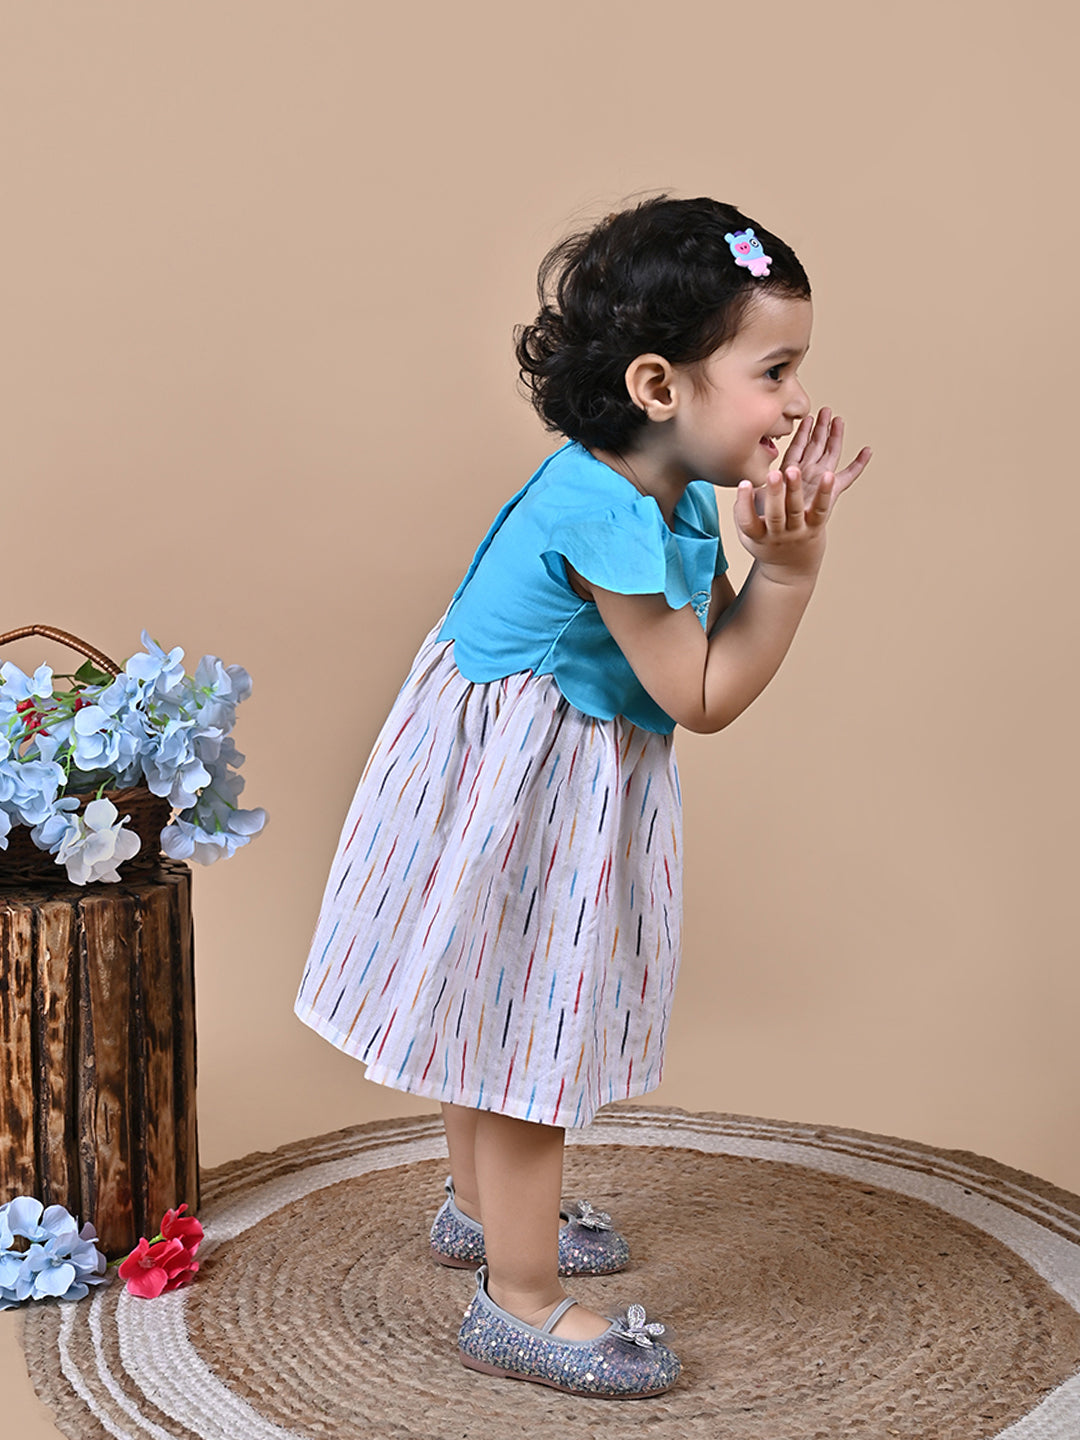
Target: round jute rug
[[818, 1283]]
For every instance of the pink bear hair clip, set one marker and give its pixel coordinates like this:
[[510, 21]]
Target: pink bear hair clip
[[749, 253]]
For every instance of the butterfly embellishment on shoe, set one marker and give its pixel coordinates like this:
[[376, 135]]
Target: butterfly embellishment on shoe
[[634, 1327], [587, 1214]]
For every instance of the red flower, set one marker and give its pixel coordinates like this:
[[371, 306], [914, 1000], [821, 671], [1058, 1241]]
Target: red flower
[[151, 1269], [175, 1225]]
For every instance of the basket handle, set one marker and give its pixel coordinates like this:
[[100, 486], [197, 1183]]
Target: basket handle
[[50, 632]]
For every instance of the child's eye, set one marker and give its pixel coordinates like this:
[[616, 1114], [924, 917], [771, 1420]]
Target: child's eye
[[773, 372]]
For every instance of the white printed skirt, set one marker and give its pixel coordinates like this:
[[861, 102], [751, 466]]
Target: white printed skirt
[[501, 925]]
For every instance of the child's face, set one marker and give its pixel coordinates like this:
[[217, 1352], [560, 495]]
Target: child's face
[[746, 395]]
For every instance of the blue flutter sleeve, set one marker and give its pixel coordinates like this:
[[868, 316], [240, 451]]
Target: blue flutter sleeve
[[516, 611], [629, 549]]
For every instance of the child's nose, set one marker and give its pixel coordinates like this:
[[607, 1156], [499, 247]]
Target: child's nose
[[799, 404]]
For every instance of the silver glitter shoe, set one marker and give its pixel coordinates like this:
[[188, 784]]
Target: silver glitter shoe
[[624, 1363], [588, 1245]]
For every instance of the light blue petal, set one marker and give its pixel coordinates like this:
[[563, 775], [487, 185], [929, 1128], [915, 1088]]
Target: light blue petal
[[55, 1280], [10, 1268], [24, 1217], [177, 840], [143, 667], [241, 682], [43, 686], [58, 1221]]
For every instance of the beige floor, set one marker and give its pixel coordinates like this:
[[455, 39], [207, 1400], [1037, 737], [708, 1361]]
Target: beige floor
[[24, 1414]]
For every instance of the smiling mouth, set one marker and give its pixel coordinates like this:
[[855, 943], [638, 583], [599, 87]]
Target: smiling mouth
[[769, 444]]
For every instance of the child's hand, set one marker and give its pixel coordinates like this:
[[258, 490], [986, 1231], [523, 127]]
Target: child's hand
[[816, 450], [783, 529]]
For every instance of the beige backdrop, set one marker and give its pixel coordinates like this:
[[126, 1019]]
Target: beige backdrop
[[261, 262]]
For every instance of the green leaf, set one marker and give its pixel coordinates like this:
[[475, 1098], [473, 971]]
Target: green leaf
[[89, 674]]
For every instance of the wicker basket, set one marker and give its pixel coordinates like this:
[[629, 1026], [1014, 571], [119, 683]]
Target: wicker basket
[[149, 814]]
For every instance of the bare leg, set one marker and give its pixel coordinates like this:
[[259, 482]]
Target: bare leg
[[518, 1172], [460, 1125]]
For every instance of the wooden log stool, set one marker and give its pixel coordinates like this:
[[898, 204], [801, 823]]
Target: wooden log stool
[[97, 1049]]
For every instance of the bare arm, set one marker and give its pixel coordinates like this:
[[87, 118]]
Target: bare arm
[[704, 681], [723, 596]]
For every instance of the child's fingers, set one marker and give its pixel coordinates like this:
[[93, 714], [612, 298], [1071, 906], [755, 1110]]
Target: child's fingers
[[796, 450], [831, 454], [746, 516], [852, 471], [819, 437], [818, 510], [775, 508], [794, 499]]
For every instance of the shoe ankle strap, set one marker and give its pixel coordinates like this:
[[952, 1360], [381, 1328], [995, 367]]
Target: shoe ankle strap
[[557, 1314]]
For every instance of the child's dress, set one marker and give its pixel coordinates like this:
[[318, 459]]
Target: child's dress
[[501, 925]]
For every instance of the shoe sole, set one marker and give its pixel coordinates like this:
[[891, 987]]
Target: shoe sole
[[451, 1262], [485, 1369]]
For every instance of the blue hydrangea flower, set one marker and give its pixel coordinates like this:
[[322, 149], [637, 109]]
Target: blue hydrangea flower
[[97, 744], [95, 843], [18, 687], [157, 670], [28, 788], [62, 1260], [22, 1217], [172, 767], [207, 744], [10, 1269], [51, 833], [43, 1273], [65, 1267], [219, 689], [151, 723], [122, 763], [215, 827], [48, 745]]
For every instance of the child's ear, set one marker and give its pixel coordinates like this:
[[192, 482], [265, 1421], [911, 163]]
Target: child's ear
[[650, 385]]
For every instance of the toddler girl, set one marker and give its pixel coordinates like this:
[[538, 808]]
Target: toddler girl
[[500, 929]]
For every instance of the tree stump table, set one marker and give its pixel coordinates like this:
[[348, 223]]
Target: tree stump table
[[97, 1049]]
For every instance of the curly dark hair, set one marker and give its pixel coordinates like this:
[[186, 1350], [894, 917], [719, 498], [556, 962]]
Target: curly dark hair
[[659, 277]]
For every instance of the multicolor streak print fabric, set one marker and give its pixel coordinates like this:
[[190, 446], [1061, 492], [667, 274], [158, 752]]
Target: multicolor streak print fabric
[[501, 925]]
